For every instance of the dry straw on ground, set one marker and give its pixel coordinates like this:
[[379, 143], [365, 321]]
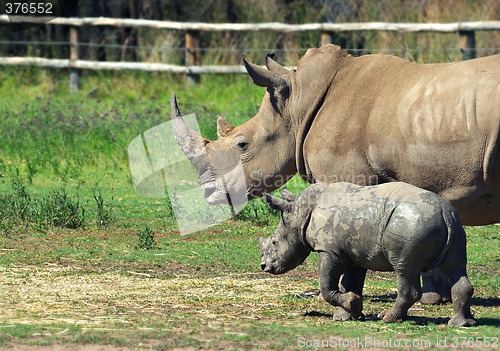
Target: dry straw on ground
[[67, 295]]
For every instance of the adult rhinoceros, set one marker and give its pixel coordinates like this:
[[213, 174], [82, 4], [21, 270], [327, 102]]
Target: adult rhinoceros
[[366, 120]]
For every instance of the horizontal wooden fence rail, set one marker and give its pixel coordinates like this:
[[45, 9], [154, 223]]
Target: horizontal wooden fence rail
[[254, 27], [192, 69], [99, 66]]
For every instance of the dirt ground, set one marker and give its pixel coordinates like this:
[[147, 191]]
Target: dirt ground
[[18, 347], [79, 309], [62, 298]]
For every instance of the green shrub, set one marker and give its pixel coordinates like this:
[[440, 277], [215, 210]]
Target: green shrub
[[105, 214], [58, 209], [146, 239], [258, 212]]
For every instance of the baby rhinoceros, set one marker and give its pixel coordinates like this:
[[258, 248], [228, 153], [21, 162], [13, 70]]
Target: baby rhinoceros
[[388, 227]]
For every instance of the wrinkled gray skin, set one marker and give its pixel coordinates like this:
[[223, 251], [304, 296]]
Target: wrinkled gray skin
[[389, 227]]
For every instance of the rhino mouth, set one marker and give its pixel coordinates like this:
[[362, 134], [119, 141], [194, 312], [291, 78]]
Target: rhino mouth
[[228, 189], [272, 268], [265, 267], [214, 196]]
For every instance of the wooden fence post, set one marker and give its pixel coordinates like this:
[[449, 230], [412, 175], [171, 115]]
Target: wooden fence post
[[467, 44], [192, 55], [326, 38], [74, 74]]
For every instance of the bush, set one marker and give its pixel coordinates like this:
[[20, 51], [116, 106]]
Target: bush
[[58, 209], [20, 209], [105, 214], [258, 212], [146, 239]]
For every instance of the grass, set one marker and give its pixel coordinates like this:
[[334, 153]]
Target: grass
[[125, 277], [203, 290], [95, 130]]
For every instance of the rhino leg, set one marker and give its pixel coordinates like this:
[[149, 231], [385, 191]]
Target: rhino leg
[[409, 292], [330, 270], [352, 280], [454, 265], [436, 288], [461, 293]]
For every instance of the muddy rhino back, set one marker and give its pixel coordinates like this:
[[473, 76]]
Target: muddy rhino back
[[380, 227], [418, 230]]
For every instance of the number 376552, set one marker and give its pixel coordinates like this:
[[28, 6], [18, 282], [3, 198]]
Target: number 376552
[[24, 8]]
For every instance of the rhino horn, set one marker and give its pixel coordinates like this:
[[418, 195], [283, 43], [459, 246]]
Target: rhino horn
[[288, 195], [275, 66], [190, 142], [223, 127], [277, 203], [263, 77]]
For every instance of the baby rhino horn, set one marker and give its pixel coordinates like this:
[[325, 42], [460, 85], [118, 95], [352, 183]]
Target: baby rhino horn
[[277, 203], [288, 195]]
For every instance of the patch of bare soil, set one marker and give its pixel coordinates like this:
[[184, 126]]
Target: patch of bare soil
[[19, 347], [86, 347]]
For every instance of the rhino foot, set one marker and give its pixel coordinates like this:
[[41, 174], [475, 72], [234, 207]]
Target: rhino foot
[[343, 315], [352, 302], [461, 322], [433, 298], [391, 316], [436, 288]]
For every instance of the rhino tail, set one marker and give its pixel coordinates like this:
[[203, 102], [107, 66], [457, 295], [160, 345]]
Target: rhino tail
[[452, 224]]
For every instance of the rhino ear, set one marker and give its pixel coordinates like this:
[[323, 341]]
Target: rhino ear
[[265, 77], [277, 203], [261, 76], [275, 66], [277, 84], [223, 127]]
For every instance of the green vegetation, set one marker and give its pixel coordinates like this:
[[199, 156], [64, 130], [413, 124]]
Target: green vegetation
[[56, 209], [146, 239], [84, 260], [61, 135]]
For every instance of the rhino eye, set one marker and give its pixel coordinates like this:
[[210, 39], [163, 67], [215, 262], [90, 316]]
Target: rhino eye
[[242, 145]]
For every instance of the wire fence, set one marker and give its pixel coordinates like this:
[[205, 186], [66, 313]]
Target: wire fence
[[179, 47], [222, 49], [181, 50]]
